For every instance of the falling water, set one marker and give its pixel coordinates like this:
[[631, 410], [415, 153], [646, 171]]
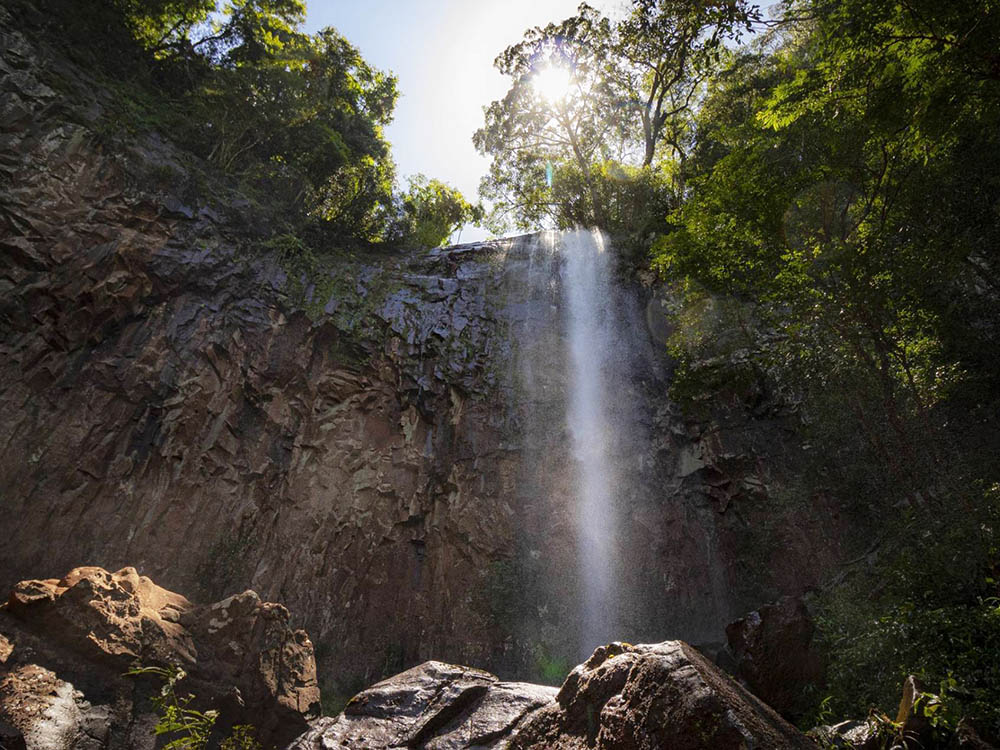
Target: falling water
[[609, 546], [582, 344], [594, 338]]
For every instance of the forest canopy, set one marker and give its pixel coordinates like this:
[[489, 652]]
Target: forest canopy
[[297, 119]]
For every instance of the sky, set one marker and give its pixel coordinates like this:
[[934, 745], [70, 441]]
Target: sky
[[442, 52]]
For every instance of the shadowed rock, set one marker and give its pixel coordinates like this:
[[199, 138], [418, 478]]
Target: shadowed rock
[[665, 695], [771, 652], [435, 705], [623, 698]]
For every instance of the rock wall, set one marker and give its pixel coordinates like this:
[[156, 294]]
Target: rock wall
[[352, 442]]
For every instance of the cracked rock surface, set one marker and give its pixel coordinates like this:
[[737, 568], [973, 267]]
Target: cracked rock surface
[[434, 705], [65, 646], [624, 697]]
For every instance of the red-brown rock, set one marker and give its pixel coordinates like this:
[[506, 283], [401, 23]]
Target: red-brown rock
[[773, 653], [66, 644]]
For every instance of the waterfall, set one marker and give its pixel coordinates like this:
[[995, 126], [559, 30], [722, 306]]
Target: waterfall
[[597, 344], [577, 340], [614, 540]]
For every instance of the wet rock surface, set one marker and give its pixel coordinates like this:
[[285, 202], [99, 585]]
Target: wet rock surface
[[656, 696], [69, 643]]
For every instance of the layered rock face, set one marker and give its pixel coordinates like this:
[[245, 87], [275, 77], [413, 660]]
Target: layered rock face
[[355, 443], [623, 698], [65, 646]]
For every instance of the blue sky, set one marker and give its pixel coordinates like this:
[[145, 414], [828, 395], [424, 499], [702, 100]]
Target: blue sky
[[442, 51]]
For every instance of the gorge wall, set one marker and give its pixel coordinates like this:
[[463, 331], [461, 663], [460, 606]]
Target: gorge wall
[[380, 443]]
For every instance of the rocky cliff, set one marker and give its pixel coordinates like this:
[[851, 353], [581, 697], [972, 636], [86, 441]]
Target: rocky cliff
[[350, 439]]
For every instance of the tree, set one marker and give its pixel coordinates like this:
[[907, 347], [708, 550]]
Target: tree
[[662, 52], [432, 211], [533, 132], [313, 107], [629, 86]]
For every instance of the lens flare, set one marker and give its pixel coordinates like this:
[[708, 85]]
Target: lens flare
[[552, 83]]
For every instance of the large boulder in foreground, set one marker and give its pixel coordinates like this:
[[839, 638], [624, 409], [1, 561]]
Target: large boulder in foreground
[[66, 644], [665, 695], [434, 705], [623, 698]]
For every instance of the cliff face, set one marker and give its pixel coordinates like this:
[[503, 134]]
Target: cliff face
[[353, 442]]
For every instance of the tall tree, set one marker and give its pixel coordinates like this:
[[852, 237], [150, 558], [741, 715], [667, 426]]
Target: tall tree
[[661, 53], [560, 112], [629, 86]]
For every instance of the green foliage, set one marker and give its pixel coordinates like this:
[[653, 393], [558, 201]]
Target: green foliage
[[819, 163], [576, 157], [547, 668], [934, 613], [527, 130], [242, 738], [432, 211], [631, 201], [191, 728], [294, 120], [183, 727], [831, 187]]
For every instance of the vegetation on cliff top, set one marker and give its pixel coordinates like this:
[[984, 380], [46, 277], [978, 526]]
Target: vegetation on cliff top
[[597, 116], [295, 120]]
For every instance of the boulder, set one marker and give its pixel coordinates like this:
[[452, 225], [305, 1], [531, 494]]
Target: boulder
[[851, 734], [665, 695], [771, 652], [65, 646], [624, 697], [967, 738], [434, 705]]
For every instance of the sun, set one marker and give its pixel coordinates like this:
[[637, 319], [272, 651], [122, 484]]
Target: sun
[[552, 83]]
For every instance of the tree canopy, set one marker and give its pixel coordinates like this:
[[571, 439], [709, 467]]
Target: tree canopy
[[297, 119], [576, 156]]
